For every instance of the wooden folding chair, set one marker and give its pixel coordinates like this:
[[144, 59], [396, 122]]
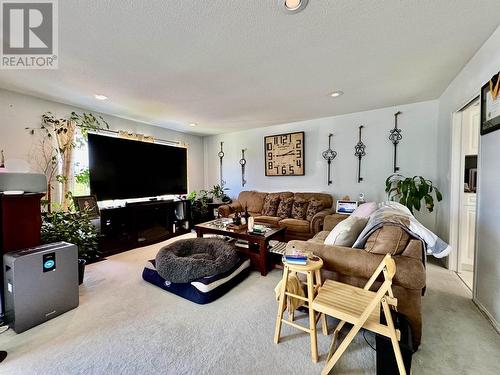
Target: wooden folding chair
[[361, 308]]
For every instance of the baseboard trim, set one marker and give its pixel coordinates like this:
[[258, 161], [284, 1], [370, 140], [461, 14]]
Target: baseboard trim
[[487, 315]]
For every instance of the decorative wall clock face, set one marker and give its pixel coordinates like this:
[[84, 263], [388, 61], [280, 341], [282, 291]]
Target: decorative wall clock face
[[284, 154]]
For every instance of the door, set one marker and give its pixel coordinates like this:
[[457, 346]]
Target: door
[[468, 183]]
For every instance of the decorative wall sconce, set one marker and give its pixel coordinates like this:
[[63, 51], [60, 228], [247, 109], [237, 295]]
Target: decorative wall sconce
[[243, 162], [221, 156], [329, 155], [360, 153], [395, 138]]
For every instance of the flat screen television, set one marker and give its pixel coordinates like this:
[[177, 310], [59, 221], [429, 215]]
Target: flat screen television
[[123, 169]]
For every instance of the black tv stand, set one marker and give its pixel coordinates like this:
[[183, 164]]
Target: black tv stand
[[143, 223]]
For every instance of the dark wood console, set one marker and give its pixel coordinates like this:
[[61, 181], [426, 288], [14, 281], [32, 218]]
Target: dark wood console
[[143, 223], [20, 221]]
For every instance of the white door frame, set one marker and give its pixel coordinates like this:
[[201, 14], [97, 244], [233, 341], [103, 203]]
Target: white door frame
[[455, 178]]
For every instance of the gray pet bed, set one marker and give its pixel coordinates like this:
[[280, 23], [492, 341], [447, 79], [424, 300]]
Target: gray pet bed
[[186, 260]]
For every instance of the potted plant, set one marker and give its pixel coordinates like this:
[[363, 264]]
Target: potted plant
[[410, 191], [218, 193], [199, 206], [76, 228]]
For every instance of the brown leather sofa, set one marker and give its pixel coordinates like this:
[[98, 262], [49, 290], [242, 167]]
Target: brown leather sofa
[[295, 228], [355, 267]]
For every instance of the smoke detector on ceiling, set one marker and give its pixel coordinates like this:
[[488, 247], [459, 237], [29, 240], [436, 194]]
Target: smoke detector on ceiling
[[292, 6]]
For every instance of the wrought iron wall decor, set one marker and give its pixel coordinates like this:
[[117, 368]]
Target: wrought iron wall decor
[[243, 162], [395, 137], [360, 153], [329, 155], [221, 156]]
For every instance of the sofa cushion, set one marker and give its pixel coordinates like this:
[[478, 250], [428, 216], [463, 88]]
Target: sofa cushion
[[271, 203], [365, 209], [253, 200], [285, 208], [313, 208], [299, 209], [295, 225], [320, 237], [273, 220], [346, 232], [389, 239], [326, 199]]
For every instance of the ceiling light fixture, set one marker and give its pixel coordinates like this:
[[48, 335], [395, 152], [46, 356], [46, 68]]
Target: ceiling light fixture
[[292, 6], [100, 97], [193, 124], [336, 94]]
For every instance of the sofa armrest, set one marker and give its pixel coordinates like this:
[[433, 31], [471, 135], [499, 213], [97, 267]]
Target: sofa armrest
[[227, 209], [332, 220], [318, 219], [410, 272]]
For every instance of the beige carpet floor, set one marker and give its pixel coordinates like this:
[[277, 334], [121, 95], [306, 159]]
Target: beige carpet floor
[[127, 326]]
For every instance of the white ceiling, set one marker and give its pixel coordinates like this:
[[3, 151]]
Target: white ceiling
[[237, 64]]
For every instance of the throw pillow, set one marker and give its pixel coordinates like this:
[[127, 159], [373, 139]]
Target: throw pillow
[[389, 239], [313, 208], [299, 209], [365, 209], [285, 208], [347, 231], [271, 204]]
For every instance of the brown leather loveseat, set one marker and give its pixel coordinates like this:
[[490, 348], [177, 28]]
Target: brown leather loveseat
[[355, 266], [296, 228]]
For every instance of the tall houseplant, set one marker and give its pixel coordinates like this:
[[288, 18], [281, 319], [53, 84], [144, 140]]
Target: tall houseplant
[[411, 191], [58, 139]]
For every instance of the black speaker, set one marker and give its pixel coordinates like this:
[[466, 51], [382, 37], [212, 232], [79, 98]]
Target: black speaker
[[386, 360]]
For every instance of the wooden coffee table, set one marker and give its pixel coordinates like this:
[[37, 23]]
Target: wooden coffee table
[[258, 259]]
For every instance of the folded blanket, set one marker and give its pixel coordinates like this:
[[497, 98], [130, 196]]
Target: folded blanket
[[393, 213]]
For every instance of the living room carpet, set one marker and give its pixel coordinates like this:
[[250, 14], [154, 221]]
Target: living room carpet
[[127, 326]]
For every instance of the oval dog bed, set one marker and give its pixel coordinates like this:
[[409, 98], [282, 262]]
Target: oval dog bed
[[187, 260]]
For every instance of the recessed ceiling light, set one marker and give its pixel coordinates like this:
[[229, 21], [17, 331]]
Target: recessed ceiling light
[[193, 124], [336, 93], [293, 6], [100, 97]]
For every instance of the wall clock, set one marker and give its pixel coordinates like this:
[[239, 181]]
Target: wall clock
[[284, 154]]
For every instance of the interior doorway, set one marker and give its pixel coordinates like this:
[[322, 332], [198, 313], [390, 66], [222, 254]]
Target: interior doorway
[[466, 131]]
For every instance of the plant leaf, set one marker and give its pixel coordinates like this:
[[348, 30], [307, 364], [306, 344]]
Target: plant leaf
[[439, 196]]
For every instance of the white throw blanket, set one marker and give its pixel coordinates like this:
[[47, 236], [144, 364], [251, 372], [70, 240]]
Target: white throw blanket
[[393, 213]]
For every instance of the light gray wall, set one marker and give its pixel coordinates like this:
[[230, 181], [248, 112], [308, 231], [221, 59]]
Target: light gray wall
[[488, 230], [467, 84], [417, 151], [19, 111]]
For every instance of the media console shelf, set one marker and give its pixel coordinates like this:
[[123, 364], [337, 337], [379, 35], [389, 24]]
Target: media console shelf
[[143, 223]]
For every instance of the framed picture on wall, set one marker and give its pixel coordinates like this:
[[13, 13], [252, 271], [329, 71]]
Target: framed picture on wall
[[490, 105], [87, 203], [284, 154]]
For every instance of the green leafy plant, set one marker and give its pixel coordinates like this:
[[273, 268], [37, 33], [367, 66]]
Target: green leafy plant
[[83, 177], [74, 227], [410, 191], [218, 192], [57, 140], [199, 205]]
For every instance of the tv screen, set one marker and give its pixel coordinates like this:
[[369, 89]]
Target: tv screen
[[122, 168]]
